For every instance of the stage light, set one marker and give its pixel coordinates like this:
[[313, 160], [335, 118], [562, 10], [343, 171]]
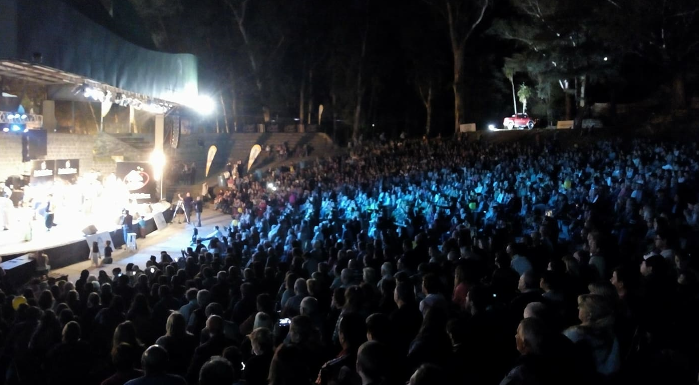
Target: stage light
[[202, 104], [605, 58], [6, 129], [16, 127], [26, 130], [491, 127], [23, 116], [157, 159]]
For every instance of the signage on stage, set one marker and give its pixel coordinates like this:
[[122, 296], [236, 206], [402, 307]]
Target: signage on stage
[[68, 169], [43, 171], [100, 238], [137, 177], [159, 221]]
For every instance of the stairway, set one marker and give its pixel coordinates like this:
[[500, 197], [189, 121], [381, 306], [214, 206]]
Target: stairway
[[238, 147], [142, 142]]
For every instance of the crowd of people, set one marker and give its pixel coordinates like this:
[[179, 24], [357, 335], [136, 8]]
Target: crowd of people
[[429, 262]]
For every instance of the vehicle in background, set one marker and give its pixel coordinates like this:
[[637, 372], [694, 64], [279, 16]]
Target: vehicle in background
[[520, 121]]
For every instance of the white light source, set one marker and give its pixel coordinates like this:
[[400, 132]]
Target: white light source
[[157, 159], [24, 116], [605, 58], [491, 127], [202, 104], [6, 129], [26, 130], [16, 127]]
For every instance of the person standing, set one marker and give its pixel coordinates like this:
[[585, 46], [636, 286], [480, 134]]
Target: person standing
[[95, 254], [107, 252], [198, 208], [48, 215], [188, 204], [142, 226], [126, 223]]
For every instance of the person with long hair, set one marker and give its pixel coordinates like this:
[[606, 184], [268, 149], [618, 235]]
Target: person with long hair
[[595, 333], [178, 342], [125, 332], [432, 343], [95, 254], [288, 367]]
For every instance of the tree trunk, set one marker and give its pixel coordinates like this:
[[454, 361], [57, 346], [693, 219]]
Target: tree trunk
[[679, 95], [310, 97], [428, 107], [333, 101], [302, 98], [360, 86], [225, 114], [514, 95], [458, 89]]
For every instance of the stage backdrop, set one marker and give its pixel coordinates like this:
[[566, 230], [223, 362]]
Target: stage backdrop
[[43, 172], [138, 177], [68, 170]]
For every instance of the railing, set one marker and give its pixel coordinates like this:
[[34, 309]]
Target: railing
[[30, 120]]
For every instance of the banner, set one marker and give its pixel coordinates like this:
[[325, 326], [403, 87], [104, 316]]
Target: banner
[[68, 170], [469, 127], [209, 159], [43, 172], [254, 152], [137, 177]]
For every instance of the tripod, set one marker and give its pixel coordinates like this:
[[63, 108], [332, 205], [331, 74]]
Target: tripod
[[180, 205]]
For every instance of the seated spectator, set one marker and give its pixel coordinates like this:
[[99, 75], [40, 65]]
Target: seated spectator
[[257, 367], [154, 364], [352, 334], [433, 297], [123, 358], [178, 342], [217, 371], [595, 335]]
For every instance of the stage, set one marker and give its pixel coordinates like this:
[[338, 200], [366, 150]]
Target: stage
[[65, 245]]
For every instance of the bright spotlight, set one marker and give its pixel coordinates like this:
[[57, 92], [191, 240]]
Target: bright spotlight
[[6, 129], [16, 127], [203, 105], [23, 116], [26, 130], [491, 127], [605, 58], [157, 159]]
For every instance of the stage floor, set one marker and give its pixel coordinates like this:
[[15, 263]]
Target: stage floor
[[12, 241], [171, 239]]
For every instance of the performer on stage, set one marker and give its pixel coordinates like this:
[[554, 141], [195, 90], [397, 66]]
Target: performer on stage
[[5, 207], [49, 214]]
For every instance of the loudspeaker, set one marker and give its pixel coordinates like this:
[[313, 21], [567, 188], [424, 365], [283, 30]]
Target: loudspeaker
[[90, 230], [34, 144]]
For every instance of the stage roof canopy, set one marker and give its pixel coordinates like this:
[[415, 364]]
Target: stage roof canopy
[[51, 43]]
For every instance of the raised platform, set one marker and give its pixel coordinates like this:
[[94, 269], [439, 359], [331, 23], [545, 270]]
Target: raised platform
[[65, 245]]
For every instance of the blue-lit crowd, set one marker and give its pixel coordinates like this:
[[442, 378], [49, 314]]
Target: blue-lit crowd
[[444, 261]]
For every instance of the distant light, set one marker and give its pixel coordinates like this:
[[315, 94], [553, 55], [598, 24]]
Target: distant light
[[16, 127], [26, 130], [6, 129], [23, 116], [296, 119], [491, 127], [373, 125], [605, 58], [270, 185]]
